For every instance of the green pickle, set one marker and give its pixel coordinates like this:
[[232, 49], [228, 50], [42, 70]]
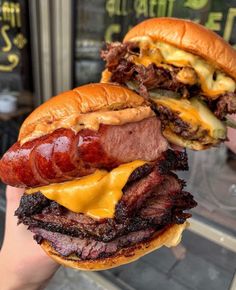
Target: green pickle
[[218, 130]]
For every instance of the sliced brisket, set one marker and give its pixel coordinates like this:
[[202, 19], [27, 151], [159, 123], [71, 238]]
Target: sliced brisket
[[116, 51], [118, 58], [136, 194], [152, 200], [226, 104], [31, 204], [87, 249], [132, 213]]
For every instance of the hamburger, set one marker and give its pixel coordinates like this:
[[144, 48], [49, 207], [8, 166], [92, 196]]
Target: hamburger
[[100, 190], [187, 71]]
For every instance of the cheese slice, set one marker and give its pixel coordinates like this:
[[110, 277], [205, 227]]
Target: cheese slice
[[95, 195], [185, 110], [196, 114], [213, 82]]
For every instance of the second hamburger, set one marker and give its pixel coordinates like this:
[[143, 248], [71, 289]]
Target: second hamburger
[[188, 72]]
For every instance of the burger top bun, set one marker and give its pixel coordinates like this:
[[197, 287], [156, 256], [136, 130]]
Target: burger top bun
[[64, 110], [170, 238], [191, 37]]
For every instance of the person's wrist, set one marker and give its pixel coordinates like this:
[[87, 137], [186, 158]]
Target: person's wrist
[[11, 278]]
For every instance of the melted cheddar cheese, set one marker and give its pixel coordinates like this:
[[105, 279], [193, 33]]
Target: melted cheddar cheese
[[95, 195], [213, 82], [195, 114], [185, 111]]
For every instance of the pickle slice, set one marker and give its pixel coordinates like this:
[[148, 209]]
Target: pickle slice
[[193, 111], [230, 122], [196, 113], [218, 129]]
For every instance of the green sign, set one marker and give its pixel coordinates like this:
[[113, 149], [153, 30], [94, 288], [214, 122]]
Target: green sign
[[216, 15]]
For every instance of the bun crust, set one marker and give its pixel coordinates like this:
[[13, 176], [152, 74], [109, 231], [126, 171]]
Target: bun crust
[[67, 106], [169, 238], [191, 37]]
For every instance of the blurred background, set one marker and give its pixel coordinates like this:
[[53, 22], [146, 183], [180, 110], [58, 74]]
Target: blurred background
[[51, 46]]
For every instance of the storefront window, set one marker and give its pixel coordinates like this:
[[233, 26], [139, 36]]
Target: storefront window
[[102, 21], [16, 86], [15, 47], [90, 24], [15, 70], [212, 173]]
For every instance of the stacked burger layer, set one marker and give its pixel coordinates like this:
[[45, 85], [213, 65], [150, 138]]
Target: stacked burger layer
[[98, 161]]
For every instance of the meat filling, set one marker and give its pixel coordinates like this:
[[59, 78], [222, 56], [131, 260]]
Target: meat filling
[[153, 199], [88, 249], [64, 154], [119, 62]]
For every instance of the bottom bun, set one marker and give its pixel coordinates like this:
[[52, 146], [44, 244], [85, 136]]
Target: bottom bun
[[185, 143], [169, 238]]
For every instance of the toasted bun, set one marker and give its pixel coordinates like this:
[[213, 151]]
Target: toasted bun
[[185, 143], [64, 110], [191, 37], [169, 238]]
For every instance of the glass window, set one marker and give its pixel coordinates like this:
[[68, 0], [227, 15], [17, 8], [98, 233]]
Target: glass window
[[97, 21], [211, 177], [16, 84]]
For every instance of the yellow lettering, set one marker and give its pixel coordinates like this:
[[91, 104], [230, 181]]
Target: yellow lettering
[[6, 38], [195, 4], [20, 41], [229, 23], [11, 13], [141, 8], [152, 6], [162, 8], [6, 11], [111, 29], [13, 60], [18, 16], [212, 22], [117, 8], [123, 7], [110, 7], [170, 8]]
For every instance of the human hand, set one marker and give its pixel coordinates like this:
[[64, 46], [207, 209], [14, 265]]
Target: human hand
[[23, 264]]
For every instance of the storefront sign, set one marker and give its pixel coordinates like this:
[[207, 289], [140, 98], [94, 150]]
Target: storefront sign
[[216, 15], [11, 38], [15, 62]]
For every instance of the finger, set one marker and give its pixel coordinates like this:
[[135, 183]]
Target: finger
[[13, 194]]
